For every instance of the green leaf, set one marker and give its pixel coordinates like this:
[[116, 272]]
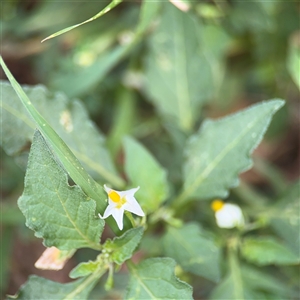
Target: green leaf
[[293, 60], [62, 151], [44, 289], [68, 118], [193, 251], [98, 15], [256, 279], [227, 290], [267, 250], [154, 279], [179, 77], [6, 250], [221, 150], [285, 217], [122, 248], [144, 171], [63, 215], [149, 10], [84, 269], [232, 287], [250, 282], [88, 77], [123, 119]]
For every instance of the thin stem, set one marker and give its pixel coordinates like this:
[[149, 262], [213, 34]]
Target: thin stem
[[130, 217], [88, 281]]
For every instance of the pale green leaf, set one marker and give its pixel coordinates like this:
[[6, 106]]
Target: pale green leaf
[[154, 279], [44, 289], [98, 15], [221, 150], [84, 269], [179, 76], [267, 250], [143, 170], [68, 118], [121, 248], [62, 215], [194, 251]]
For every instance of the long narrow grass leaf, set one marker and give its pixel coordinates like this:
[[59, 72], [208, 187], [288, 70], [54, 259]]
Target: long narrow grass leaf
[[98, 15], [65, 155]]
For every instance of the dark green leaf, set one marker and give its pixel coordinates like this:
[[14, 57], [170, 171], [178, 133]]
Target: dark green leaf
[[63, 215], [44, 289]]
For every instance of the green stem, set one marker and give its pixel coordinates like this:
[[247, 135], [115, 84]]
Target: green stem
[[90, 280], [180, 200], [130, 217], [235, 268]]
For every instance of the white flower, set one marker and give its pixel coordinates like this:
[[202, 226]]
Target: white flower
[[118, 202], [227, 215]]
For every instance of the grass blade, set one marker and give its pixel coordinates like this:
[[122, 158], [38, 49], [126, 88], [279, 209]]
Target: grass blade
[[65, 155], [98, 15]]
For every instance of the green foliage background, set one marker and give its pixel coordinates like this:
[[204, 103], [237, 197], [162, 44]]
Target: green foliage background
[[149, 95]]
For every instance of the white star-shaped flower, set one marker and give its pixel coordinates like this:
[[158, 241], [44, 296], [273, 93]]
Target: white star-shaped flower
[[228, 215], [118, 202]]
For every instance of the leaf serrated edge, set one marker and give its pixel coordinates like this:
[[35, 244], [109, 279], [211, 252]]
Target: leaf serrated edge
[[187, 192]]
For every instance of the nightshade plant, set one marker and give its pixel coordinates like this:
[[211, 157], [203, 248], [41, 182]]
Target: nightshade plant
[[170, 225]]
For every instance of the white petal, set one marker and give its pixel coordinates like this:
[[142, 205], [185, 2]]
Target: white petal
[[117, 214], [133, 206], [229, 216], [129, 193], [107, 189], [108, 211]]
